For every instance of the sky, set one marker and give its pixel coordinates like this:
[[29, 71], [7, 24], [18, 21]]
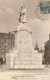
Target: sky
[[9, 12]]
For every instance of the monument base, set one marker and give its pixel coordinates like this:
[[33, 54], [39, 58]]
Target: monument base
[[24, 61]]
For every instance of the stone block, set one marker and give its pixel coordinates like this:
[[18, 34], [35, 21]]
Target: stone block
[[16, 66], [32, 66], [21, 66], [26, 62], [34, 62], [18, 62], [26, 66], [11, 54], [7, 55]]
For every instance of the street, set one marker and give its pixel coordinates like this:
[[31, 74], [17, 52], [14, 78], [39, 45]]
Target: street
[[43, 74]]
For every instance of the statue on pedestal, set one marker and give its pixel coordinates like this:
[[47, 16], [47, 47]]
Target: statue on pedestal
[[23, 14], [23, 56]]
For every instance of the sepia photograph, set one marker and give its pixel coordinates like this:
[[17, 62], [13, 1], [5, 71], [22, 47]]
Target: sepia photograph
[[24, 39]]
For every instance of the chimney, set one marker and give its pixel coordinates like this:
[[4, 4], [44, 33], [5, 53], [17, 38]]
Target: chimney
[[49, 36]]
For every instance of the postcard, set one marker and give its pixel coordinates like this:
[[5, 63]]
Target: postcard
[[24, 39]]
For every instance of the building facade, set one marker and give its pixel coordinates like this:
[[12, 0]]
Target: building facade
[[7, 42], [47, 52]]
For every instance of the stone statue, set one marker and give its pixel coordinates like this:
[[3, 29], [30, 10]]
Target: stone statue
[[23, 14], [23, 56]]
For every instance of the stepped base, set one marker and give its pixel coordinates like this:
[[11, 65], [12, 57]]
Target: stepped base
[[14, 61], [26, 67], [29, 67]]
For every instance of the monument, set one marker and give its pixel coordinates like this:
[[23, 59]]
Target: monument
[[23, 56]]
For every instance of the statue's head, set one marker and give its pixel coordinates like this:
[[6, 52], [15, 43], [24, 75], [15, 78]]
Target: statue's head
[[22, 7]]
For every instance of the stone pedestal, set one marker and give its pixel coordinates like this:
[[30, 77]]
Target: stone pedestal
[[23, 56], [29, 61]]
